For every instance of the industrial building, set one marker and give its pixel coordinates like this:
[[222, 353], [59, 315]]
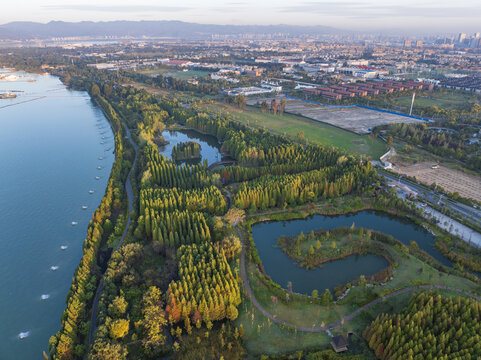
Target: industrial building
[[369, 88]]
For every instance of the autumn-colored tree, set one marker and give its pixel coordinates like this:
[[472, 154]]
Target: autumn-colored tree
[[118, 328], [118, 307], [153, 320]]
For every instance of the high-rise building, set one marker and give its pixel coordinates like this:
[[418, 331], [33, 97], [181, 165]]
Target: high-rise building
[[419, 43], [474, 43], [477, 35], [407, 43], [461, 37]]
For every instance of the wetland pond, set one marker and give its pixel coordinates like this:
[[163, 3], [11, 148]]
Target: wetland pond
[[283, 269], [210, 148]]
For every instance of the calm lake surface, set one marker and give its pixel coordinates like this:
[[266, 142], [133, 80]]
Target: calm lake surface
[[210, 148], [52, 141], [283, 269]]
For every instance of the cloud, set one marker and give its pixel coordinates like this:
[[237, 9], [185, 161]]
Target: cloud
[[119, 9]]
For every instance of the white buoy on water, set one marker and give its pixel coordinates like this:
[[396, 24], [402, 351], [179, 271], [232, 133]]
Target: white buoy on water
[[23, 335], [54, 268], [91, 191], [44, 296]]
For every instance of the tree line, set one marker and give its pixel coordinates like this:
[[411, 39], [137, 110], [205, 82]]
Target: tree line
[[185, 151], [446, 142], [166, 173], [69, 341], [286, 159], [206, 290], [208, 199], [283, 190], [431, 327]]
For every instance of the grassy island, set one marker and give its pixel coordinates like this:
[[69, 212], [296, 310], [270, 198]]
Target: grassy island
[[321, 246], [186, 151]]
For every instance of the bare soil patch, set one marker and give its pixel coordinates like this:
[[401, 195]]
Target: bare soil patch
[[451, 180]]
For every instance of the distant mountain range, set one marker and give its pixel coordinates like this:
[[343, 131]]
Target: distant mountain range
[[173, 29]]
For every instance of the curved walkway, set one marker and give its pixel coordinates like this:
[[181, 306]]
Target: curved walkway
[[217, 163], [347, 317], [130, 197]]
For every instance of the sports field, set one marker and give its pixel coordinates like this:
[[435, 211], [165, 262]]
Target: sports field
[[314, 131]]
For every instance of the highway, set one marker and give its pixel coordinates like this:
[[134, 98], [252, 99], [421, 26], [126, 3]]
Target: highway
[[430, 196]]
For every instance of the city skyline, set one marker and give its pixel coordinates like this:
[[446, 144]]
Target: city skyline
[[369, 16]]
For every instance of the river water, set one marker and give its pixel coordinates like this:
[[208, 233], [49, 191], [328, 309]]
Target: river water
[[282, 269], [55, 146]]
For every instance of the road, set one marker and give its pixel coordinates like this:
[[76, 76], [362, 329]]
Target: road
[[130, 199], [464, 211]]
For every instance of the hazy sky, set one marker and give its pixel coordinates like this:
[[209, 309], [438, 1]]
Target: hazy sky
[[432, 16]]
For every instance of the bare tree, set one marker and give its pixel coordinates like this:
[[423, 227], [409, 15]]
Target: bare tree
[[264, 106], [282, 108], [274, 106]]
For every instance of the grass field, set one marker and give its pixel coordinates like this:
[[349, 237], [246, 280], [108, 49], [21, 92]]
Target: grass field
[[263, 336], [183, 75], [182, 96], [446, 99], [440, 100], [314, 131]]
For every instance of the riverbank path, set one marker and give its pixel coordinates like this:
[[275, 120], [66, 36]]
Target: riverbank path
[[130, 199]]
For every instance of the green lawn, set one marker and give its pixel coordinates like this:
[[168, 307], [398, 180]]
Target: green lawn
[[183, 75], [314, 131], [446, 99], [263, 336], [440, 100]]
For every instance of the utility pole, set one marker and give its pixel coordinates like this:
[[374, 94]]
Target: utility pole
[[412, 104]]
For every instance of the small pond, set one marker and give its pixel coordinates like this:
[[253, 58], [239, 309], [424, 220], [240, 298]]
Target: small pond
[[282, 269], [210, 148]]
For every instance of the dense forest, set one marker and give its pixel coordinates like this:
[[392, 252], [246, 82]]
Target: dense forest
[[284, 190], [178, 234], [206, 290], [208, 199], [431, 327]]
